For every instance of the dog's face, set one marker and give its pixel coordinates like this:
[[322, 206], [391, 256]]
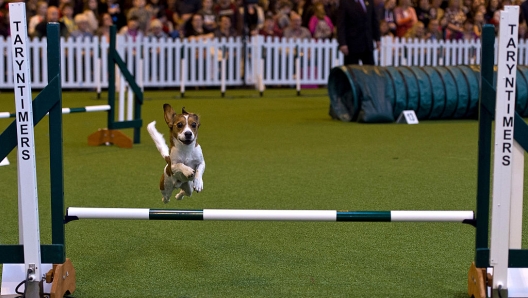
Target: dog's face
[[183, 127]]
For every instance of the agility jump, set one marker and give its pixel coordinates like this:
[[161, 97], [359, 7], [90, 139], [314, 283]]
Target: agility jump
[[30, 253]]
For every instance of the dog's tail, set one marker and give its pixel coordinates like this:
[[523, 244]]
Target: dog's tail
[[158, 139]]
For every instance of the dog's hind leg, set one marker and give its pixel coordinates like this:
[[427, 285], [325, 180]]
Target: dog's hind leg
[[186, 190], [166, 187]]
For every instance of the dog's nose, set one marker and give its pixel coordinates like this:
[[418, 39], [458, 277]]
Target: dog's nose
[[188, 134]]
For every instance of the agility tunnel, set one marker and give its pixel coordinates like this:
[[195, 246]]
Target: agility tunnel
[[374, 94]]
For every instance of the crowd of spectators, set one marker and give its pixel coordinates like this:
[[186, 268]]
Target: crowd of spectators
[[448, 20], [199, 19]]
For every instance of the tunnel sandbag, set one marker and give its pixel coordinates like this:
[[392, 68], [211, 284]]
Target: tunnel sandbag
[[462, 92], [342, 91], [473, 83], [425, 92], [375, 108], [451, 92], [521, 104], [438, 92], [400, 90]]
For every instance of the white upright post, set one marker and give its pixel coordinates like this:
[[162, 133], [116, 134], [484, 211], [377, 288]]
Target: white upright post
[[298, 74], [261, 85], [27, 178], [97, 75], [183, 76], [503, 156], [121, 98], [222, 72], [516, 208], [130, 103]]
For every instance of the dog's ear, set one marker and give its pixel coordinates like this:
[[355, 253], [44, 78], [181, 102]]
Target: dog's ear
[[169, 115], [197, 119], [184, 111]]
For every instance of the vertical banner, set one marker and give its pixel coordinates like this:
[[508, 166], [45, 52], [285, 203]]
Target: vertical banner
[[27, 179], [503, 152]]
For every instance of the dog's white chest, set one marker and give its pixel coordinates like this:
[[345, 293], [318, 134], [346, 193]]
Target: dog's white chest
[[192, 158]]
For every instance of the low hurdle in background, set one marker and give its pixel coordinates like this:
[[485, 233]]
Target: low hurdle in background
[[111, 134]]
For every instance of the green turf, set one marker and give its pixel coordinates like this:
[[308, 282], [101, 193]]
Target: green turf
[[275, 152]]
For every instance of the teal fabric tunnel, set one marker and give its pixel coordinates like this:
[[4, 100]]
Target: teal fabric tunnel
[[375, 94]]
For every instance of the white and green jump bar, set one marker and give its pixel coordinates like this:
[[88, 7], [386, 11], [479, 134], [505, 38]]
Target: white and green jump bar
[[76, 213], [87, 109]]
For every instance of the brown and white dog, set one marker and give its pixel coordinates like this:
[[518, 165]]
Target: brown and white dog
[[185, 162]]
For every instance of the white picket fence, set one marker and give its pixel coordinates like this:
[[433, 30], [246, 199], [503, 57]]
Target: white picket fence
[[169, 63]]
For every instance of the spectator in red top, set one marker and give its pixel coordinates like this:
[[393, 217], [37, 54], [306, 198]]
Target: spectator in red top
[[405, 17]]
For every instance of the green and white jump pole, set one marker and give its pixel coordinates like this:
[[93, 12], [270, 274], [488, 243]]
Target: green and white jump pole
[[87, 109], [76, 213]]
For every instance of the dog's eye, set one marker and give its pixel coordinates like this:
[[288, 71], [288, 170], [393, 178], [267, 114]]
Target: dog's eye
[[193, 125], [179, 125]]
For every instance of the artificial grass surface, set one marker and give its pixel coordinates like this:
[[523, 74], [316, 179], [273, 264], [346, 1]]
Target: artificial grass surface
[[275, 152]]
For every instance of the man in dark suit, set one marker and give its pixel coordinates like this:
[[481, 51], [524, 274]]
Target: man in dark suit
[[357, 30]]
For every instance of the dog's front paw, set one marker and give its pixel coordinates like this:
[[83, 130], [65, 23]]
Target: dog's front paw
[[183, 172], [165, 200], [198, 185]]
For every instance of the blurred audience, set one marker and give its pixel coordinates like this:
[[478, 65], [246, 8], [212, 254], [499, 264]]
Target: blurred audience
[[427, 19]]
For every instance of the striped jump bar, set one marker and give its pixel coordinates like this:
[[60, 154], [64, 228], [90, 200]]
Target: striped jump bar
[[75, 213], [100, 108]]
